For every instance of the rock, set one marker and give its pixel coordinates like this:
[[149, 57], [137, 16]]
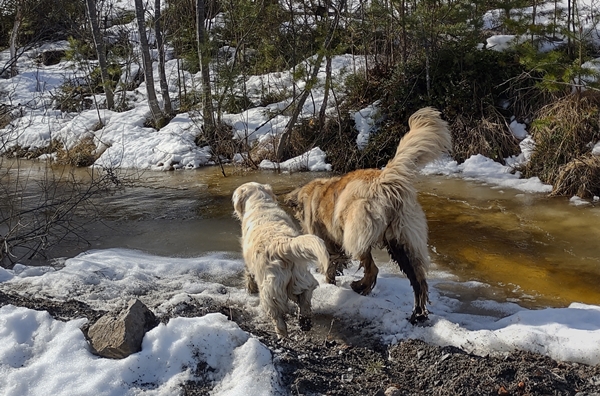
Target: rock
[[119, 334], [52, 57], [392, 391]]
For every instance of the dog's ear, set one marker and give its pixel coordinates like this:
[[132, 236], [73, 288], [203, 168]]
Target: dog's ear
[[239, 201], [269, 190]]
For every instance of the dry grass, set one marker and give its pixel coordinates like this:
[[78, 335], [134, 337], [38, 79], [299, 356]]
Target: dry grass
[[579, 177], [563, 132], [5, 116], [490, 136], [81, 155], [265, 149]]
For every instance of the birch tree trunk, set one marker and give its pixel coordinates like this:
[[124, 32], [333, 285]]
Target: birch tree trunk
[[157, 114], [101, 52], [204, 59], [14, 34], [164, 87]]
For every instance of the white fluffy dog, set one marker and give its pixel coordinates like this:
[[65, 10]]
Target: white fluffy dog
[[276, 255]]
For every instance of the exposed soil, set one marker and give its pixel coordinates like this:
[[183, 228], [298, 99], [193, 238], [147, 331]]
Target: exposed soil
[[335, 360]]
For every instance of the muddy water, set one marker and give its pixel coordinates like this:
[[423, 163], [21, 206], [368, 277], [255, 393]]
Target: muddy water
[[182, 214], [535, 250]]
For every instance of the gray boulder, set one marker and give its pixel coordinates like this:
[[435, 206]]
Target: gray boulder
[[119, 334]]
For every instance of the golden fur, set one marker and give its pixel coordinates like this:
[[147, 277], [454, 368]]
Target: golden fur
[[276, 255], [369, 207]]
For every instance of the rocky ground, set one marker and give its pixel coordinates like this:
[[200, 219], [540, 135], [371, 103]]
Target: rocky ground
[[334, 359]]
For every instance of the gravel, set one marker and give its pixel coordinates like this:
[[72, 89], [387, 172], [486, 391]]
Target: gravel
[[334, 359]]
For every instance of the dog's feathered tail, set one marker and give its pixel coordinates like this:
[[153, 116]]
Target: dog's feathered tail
[[427, 139], [305, 248]]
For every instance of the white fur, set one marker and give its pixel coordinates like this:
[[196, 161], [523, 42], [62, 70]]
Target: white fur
[[276, 255]]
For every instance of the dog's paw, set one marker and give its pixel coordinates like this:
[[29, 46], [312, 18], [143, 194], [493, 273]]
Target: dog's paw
[[305, 323], [419, 317], [361, 288]]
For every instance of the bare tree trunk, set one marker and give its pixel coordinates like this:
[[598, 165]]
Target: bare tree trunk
[[326, 94], [164, 87], [157, 114], [204, 59], [533, 17], [285, 136], [555, 18], [569, 51], [101, 51], [14, 34], [402, 18]]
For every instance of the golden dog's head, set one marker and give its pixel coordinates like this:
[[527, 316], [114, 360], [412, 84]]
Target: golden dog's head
[[249, 191]]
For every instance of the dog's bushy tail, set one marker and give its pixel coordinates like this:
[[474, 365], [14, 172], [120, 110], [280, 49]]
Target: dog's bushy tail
[[307, 248], [427, 139]]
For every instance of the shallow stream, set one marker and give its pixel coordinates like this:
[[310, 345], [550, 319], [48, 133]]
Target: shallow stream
[[535, 250]]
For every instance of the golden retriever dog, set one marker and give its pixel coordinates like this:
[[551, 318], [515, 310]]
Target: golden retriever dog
[[276, 255], [370, 208]]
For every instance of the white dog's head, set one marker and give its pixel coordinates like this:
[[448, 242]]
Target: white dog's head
[[250, 190]]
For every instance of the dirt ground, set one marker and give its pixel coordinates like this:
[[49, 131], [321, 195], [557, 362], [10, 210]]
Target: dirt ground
[[333, 359]]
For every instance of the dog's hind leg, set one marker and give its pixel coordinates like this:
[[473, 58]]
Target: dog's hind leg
[[251, 285], [415, 273], [300, 291], [274, 297], [367, 283], [277, 315]]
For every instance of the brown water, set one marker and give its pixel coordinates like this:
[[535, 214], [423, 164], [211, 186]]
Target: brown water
[[539, 250], [536, 250]]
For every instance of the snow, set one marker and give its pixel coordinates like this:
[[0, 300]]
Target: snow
[[313, 160], [481, 168], [365, 122], [518, 130], [40, 355], [596, 149]]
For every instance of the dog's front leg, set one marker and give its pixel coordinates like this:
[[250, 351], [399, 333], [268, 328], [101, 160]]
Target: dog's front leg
[[367, 283], [304, 310]]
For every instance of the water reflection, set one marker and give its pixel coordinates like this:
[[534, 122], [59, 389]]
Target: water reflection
[[541, 249]]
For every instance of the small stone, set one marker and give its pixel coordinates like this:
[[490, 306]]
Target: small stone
[[392, 391]]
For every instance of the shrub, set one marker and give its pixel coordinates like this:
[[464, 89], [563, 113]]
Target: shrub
[[580, 177], [563, 133], [74, 95]]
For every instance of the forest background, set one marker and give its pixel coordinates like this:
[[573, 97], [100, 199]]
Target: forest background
[[448, 54]]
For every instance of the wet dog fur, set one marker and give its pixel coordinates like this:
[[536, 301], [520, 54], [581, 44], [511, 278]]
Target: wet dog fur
[[276, 255], [371, 208]]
